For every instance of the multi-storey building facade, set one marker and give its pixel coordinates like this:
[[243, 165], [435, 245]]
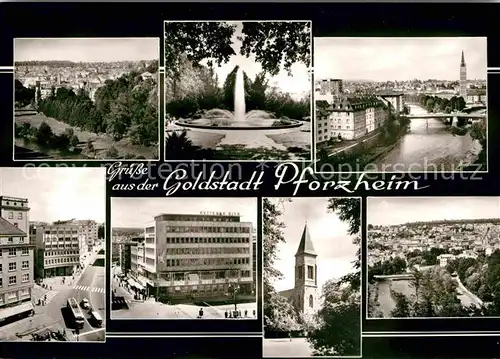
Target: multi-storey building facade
[[125, 251], [15, 210], [16, 259], [394, 100], [195, 256], [328, 89], [349, 118], [57, 249]]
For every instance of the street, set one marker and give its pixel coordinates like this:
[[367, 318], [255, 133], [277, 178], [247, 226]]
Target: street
[[90, 285], [297, 347], [149, 308]]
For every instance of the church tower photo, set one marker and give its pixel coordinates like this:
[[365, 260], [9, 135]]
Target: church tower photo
[[463, 78], [306, 270], [304, 295]]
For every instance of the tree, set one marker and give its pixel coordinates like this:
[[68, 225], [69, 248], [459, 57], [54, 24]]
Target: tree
[[339, 329], [74, 141], [198, 41], [277, 44], [349, 210], [272, 237], [44, 134], [402, 309]]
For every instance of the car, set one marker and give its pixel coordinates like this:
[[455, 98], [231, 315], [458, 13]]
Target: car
[[85, 303]]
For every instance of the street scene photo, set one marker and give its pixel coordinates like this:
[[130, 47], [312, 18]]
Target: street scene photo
[[312, 275], [399, 104], [433, 257], [86, 98], [52, 260], [184, 258], [238, 90]]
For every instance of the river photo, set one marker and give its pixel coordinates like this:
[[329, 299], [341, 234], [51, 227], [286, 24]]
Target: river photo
[[429, 145]]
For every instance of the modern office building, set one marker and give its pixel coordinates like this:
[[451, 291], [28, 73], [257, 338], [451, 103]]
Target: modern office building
[[16, 259], [206, 255], [57, 249]]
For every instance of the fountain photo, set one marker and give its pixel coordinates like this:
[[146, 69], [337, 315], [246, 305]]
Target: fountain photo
[[238, 90], [401, 104]]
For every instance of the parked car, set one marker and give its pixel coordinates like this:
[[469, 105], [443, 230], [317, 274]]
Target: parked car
[[85, 303]]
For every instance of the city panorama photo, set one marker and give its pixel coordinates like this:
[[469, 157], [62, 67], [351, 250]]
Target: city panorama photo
[[238, 90], [400, 104], [86, 98], [52, 254], [312, 277], [433, 257], [184, 258]]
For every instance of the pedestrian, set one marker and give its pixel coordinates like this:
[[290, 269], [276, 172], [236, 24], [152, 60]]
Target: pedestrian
[[246, 313], [200, 313], [45, 297], [254, 312], [225, 314]]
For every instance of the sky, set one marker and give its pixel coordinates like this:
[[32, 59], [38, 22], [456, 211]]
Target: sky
[[138, 212], [336, 252], [399, 59], [400, 210], [299, 82], [58, 193], [87, 49]]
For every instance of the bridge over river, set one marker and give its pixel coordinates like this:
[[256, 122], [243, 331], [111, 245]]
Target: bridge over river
[[429, 145], [402, 283]]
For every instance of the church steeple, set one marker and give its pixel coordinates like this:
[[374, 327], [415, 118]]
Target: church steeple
[[462, 63], [306, 272], [306, 245]]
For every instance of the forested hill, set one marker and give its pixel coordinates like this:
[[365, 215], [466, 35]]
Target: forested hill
[[125, 107]]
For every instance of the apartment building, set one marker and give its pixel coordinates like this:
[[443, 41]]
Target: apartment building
[[349, 118], [16, 259]]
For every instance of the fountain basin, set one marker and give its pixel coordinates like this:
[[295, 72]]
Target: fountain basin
[[247, 125]]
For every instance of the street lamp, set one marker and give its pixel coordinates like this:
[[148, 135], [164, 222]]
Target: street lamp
[[234, 288]]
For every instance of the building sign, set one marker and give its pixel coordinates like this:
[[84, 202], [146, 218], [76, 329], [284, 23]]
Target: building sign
[[219, 213]]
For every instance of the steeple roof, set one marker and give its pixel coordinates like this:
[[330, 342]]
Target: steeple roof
[[463, 58], [306, 244]]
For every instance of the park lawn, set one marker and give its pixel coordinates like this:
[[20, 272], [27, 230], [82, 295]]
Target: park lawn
[[101, 142]]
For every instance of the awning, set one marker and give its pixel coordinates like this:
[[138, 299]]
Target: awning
[[133, 283], [18, 309]]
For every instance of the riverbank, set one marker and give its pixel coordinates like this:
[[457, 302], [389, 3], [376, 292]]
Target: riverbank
[[103, 146]]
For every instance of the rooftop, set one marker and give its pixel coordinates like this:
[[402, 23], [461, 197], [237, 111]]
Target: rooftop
[[7, 228]]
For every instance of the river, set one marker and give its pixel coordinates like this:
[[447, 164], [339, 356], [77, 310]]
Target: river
[[429, 146]]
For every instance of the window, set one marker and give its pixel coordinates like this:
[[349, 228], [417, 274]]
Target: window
[[12, 266], [12, 280], [26, 277], [20, 215], [25, 251], [11, 240], [1, 285], [310, 272], [300, 269], [12, 252], [26, 265], [311, 301], [24, 292], [11, 215]]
